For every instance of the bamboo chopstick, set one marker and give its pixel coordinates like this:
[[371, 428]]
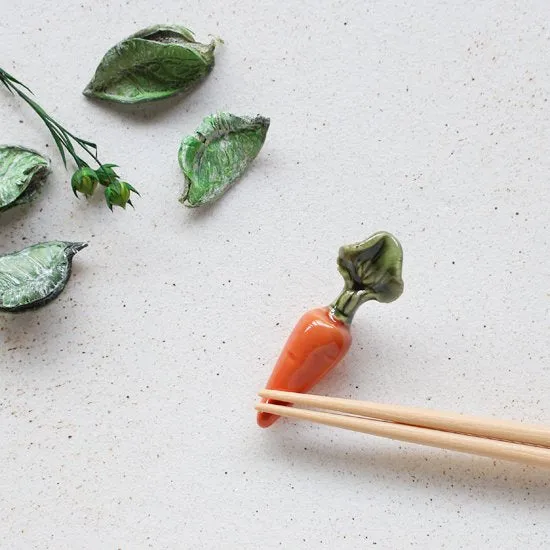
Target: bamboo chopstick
[[443, 439], [446, 421]]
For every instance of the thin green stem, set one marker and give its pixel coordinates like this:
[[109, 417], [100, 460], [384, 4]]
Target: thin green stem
[[61, 136], [117, 193], [347, 304]]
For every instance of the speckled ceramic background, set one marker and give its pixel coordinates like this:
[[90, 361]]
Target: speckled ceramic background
[[126, 406]]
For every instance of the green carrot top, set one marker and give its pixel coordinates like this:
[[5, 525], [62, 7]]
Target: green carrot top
[[371, 270]]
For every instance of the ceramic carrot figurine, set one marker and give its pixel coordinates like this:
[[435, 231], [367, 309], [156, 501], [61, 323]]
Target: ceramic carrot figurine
[[371, 271]]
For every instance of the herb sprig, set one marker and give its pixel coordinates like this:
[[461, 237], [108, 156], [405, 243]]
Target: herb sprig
[[85, 179]]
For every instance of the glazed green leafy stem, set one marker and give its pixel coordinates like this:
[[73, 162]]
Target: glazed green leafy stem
[[85, 179], [371, 270]]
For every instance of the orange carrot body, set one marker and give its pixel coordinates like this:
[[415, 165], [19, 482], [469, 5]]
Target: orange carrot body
[[316, 345]]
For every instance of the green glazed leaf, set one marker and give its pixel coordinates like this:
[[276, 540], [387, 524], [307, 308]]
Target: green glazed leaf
[[371, 271], [154, 63], [35, 275], [22, 172], [218, 154]]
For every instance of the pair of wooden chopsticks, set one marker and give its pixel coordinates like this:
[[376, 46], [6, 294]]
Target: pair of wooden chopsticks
[[497, 439]]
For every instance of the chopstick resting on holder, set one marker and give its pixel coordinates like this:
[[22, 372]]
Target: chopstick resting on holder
[[497, 439]]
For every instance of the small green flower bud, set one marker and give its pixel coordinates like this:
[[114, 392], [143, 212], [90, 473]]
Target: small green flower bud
[[117, 193], [106, 174], [85, 181]]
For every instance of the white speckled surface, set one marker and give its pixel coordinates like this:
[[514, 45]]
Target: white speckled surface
[[126, 414]]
